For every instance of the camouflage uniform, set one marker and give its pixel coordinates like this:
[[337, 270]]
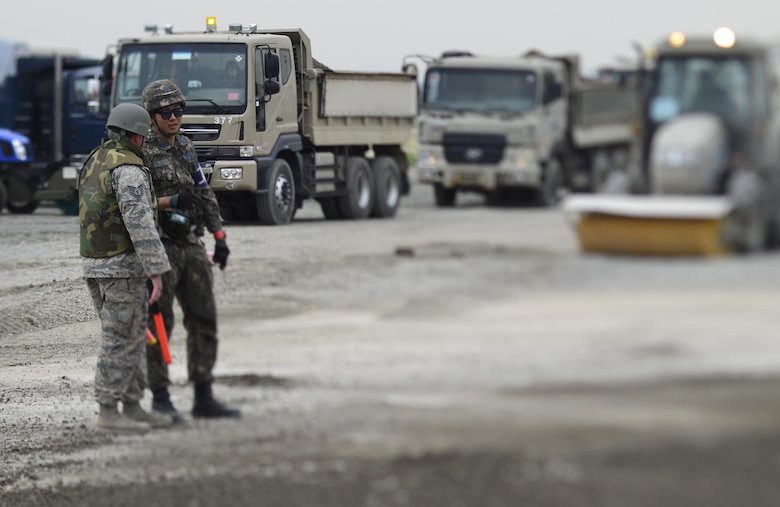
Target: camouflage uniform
[[118, 259], [175, 169]]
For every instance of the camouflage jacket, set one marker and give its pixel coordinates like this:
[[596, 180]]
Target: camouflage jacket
[[175, 169], [131, 188]]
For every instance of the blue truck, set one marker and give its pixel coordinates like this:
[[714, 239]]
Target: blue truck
[[15, 151], [59, 102]]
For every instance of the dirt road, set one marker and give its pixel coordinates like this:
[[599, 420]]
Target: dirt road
[[463, 357]]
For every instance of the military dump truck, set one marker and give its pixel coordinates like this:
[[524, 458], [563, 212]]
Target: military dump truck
[[290, 129], [711, 156], [521, 128], [54, 100]]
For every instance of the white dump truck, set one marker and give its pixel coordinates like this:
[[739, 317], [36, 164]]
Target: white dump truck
[[288, 129], [521, 128], [710, 172]]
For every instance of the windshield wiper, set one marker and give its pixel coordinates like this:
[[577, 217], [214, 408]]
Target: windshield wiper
[[220, 109]]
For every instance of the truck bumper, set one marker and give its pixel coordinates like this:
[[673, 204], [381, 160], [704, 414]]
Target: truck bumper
[[239, 175], [519, 167]]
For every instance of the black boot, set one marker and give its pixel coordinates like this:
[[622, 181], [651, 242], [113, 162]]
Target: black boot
[[206, 406], [161, 403]]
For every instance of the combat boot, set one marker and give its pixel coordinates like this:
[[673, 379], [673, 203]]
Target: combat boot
[[162, 404], [111, 421], [136, 413], [206, 406]]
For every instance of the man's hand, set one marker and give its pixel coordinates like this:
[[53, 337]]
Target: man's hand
[[221, 250], [155, 283], [185, 201]]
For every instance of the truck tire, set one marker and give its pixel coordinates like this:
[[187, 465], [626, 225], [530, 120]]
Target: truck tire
[[277, 206], [551, 188], [20, 197], [444, 197], [3, 196], [359, 201], [387, 187]]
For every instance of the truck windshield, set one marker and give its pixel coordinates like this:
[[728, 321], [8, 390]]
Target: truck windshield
[[213, 77], [480, 90], [721, 86]]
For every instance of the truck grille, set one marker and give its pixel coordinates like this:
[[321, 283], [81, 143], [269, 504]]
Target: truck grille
[[201, 132], [474, 148]]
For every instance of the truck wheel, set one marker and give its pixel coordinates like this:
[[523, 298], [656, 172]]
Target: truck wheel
[[20, 197], [3, 196], [387, 187], [330, 208], [277, 206], [750, 235], [445, 197], [358, 202], [551, 189]]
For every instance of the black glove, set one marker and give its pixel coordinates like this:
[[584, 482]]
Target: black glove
[[184, 200], [221, 252]]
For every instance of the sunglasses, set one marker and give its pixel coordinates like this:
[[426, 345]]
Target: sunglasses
[[166, 113]]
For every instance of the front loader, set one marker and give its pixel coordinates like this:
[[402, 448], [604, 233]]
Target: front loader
[[709, 179]]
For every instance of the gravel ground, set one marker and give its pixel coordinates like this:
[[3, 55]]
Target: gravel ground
[[462, 357]]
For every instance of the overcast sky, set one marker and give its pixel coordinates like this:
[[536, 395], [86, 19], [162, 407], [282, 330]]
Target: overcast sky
[[374, 36]]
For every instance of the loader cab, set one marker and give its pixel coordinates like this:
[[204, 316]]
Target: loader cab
[[702, 84], [696, 76]]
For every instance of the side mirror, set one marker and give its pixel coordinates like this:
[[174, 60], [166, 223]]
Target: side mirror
[[107, 67], [271, 87], [553, 92], [271, 65]]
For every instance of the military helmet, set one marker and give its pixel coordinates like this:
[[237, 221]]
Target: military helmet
[[130, 117], [161, 93]]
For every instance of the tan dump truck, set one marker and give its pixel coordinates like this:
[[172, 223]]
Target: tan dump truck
[[288, 129], [710, 175], [523, 128]]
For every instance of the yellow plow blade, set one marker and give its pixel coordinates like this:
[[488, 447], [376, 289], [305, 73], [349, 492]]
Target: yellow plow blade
[[649, 225]]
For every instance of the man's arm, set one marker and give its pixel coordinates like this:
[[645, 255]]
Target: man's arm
[[135, 205]]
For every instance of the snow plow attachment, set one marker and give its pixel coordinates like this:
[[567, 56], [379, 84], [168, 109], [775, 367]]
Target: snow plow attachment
[[649, 225]]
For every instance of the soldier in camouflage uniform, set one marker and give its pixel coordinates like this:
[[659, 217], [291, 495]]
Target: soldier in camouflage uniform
[[122, 254], [190, 206]]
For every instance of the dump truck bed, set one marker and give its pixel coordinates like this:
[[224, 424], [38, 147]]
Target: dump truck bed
[[604, 114], [351, 108]]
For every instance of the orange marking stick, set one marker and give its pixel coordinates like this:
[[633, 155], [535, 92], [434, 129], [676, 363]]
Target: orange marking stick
[[150, 339], [162, 335]]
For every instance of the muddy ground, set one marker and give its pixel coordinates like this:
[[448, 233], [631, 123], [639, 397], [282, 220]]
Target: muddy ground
[[463, 357]]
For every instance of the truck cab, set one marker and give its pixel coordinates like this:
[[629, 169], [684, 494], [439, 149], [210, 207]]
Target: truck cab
[[55, 100]]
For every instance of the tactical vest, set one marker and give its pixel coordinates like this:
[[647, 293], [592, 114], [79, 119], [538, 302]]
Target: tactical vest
[[103, 232]]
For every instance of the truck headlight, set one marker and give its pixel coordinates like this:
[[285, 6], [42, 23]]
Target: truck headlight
[[426, 157], [246, 151], [20, 150], [231, 173]]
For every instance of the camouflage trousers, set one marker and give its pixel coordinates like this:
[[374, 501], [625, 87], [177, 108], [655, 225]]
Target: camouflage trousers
[[190, 282], [121, 304]]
